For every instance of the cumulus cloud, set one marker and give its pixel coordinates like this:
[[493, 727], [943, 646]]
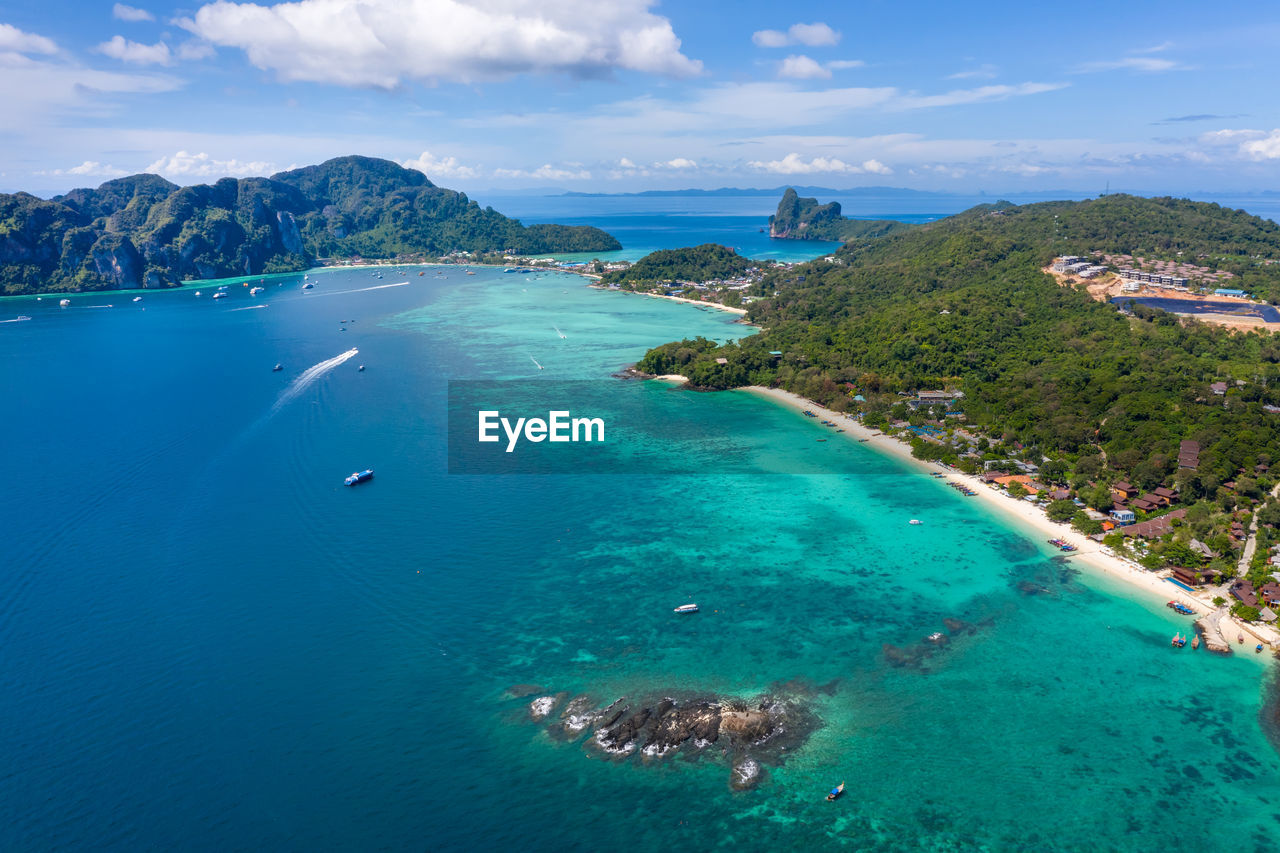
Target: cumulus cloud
[[382, 43], [439, 167], [546, 172], [1265, 148], [90, 168], [794, 164], [19, 41], [125, 50], [677, 163], [802, 68], [121, 12], [813, 35], [187, 165]]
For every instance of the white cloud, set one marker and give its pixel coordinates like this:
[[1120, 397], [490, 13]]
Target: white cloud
[[121, 12], [90, 168], [125, 50], [813, 35], [186, 165], [802, 68], [624, 163], [986, 71], [19, 41], [1150, 64], [382, 43], [440, 167], [973, 96], [1266, 148], [194, 50], [845, 64], [677, 163], [794, 164], [545, 172]]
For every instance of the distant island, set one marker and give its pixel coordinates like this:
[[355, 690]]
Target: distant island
[[804, 219], [976, 340], [143, 231]]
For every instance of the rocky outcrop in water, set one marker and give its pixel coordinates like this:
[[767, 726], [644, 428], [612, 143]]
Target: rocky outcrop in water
[[748, 734], [804, 219]]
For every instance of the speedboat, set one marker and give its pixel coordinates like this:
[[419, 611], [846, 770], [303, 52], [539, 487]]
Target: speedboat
[[137, 299], [64, 303], [359, 477], [254, 291], [308, 286], [915, 521], [277, 368], [687, 608], [221, 294], [360, 369]]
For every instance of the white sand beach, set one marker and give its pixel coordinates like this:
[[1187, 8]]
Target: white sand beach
[[1091, 554]]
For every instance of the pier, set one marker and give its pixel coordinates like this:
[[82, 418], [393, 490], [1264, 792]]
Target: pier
[[1210, 628]]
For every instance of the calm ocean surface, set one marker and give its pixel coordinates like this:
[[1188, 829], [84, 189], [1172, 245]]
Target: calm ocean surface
[[208, 643]]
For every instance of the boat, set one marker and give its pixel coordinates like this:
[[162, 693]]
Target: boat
[[360, 369], [359, 477], [21, 318], [535, 361], [277, 368], [197, 293], [64, 303], [1259, 648], [1178, 641], [915, 521], [137, 299], [1240, 639], [308, 286], [686, 608], [1195, 641], [221, 294], [254, 291], [836, 792], [809, 414], [558, 332]]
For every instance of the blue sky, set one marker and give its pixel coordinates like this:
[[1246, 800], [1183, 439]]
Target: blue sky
[[629, 95]]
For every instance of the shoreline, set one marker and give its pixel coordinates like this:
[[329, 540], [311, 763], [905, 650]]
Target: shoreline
[[741, 312], [1025, 515]]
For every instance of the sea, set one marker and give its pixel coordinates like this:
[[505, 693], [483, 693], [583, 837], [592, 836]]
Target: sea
[[208, 642]]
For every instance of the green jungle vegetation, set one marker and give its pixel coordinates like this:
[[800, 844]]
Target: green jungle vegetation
[[708, 262], [804, 219], [1049, 375], [143, 231]]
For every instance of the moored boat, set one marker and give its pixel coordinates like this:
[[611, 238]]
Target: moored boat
[[359, 477], [1195, 641], [1178, 641], [686, 608]]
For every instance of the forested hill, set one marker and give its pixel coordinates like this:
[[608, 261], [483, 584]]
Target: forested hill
[[804, 219], [707, 262], [143, 231], [962, 303]]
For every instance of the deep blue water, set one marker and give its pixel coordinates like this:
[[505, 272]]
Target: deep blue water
[[207, 642]]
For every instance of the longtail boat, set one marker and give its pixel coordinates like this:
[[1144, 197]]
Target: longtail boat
[[835, 792]]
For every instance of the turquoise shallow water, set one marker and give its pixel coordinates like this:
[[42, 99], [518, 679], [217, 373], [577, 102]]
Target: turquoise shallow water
[[209, 643]]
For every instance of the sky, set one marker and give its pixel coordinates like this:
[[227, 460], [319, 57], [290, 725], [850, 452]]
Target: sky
[[627, 95]]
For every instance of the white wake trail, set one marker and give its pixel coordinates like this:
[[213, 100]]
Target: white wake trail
[[249, 308], [357, 290], [309, 376]]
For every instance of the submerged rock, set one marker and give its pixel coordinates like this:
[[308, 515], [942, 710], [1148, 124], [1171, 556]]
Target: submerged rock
[[746, 774]]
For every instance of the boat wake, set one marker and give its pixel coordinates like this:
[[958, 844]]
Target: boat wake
[[309, 376], [360, 289], [249, 307]]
